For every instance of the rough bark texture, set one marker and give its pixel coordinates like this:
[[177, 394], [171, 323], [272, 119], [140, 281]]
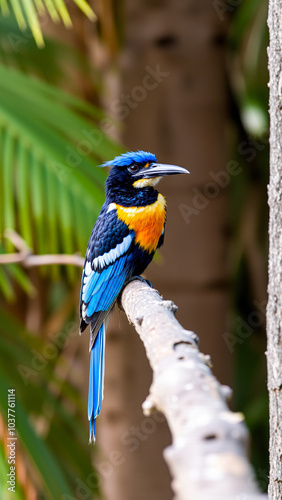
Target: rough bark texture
[[274, 309], [208, 456]]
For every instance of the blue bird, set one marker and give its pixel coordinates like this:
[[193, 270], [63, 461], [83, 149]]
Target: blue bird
[[123, 241]]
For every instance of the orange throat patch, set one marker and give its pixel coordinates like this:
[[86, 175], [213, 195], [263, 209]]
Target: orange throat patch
[[147, 222]]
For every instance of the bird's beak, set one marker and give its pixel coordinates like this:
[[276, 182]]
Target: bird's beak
[[159, 169]]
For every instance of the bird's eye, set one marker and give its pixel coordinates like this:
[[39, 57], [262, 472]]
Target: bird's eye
[[133, 168]]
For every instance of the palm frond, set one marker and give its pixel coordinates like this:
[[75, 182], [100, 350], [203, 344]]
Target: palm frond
[[27, 13], [55, 64], [50, 146]]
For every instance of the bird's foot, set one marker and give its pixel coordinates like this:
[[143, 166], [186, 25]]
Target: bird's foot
[[138, 278]]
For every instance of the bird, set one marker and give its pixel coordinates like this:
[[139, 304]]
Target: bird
[[122, 243]]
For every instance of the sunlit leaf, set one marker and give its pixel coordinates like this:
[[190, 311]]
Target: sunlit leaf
[[27, 13]]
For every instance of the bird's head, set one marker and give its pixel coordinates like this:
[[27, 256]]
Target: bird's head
[[137, 170]]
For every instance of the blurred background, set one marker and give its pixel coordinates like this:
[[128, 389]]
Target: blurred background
[[186, 80]]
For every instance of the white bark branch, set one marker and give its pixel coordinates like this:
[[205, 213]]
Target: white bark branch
[[208, 455]]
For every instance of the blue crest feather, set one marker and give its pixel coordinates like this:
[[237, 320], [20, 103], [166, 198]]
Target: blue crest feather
[[130, 157]]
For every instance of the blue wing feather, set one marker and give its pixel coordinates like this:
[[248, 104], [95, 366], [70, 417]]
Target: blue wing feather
[[89, 286], [95, 282], [114, 289], [103, 288]]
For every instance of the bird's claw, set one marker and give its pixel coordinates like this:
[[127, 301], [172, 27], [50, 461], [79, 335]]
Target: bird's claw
[[140, 278]]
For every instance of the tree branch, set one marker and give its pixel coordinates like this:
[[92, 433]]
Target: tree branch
[[26, 257], [208, 455]]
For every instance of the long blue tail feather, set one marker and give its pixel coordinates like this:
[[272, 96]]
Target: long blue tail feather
[[96, 381]]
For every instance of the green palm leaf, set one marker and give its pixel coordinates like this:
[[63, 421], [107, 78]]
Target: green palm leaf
[[27, 13], [19, 50], [50, 146]]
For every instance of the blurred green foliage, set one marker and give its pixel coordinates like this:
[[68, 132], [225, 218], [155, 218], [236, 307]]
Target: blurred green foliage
[[51, 191], [248, 74], [41, 393]]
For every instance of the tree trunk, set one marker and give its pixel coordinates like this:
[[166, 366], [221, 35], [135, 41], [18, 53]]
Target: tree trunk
[[274, 308], [173, 102]]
